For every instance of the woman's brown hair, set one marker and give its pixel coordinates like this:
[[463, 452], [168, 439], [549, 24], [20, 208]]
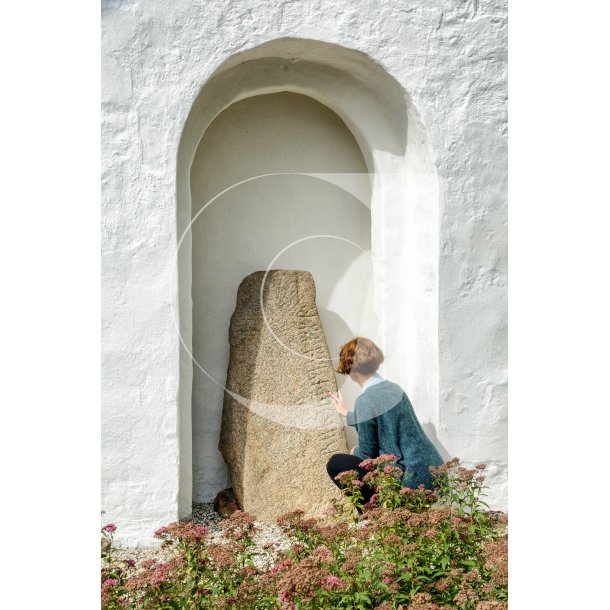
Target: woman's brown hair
[[360, 355]]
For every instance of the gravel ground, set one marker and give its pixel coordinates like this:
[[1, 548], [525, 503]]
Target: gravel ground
[[204, 514], [270, 535]]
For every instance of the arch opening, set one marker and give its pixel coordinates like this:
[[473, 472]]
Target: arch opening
[[318, 109]]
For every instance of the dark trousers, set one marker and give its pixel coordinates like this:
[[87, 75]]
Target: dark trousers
[[339, 462]]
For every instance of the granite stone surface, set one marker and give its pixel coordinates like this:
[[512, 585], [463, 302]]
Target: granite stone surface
[[278, 424]]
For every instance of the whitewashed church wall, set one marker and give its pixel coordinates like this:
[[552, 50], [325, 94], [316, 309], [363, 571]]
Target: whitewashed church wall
[[451, 59]]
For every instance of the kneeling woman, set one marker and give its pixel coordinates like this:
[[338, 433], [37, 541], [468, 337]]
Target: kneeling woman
[[384, 418]]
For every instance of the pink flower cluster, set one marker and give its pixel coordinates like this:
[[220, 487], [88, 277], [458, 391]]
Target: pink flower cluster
[[372, 501], [372, 463], [332, 582], [324, 553], [160, 574], [187, 531], [284, 599], [346, 475], [282, 565]]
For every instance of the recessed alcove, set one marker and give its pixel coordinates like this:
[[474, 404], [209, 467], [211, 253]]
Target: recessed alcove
[[291, 139], [261, 152]]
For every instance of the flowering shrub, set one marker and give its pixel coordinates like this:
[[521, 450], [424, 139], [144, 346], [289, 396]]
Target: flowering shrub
[[410, 548], [385, 477]]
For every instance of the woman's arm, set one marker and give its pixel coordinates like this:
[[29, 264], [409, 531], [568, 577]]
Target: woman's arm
[[338, 403], [368, 441]]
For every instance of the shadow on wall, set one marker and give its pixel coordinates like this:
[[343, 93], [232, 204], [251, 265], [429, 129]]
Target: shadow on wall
[[337, 332]]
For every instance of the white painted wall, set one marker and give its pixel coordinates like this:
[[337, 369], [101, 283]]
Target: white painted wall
[[272, 219], [422, 88]]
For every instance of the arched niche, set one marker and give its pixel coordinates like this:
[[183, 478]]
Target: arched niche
[[403, 204]]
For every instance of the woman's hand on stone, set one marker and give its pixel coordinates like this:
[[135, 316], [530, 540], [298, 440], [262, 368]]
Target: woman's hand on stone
[[338, 403]]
